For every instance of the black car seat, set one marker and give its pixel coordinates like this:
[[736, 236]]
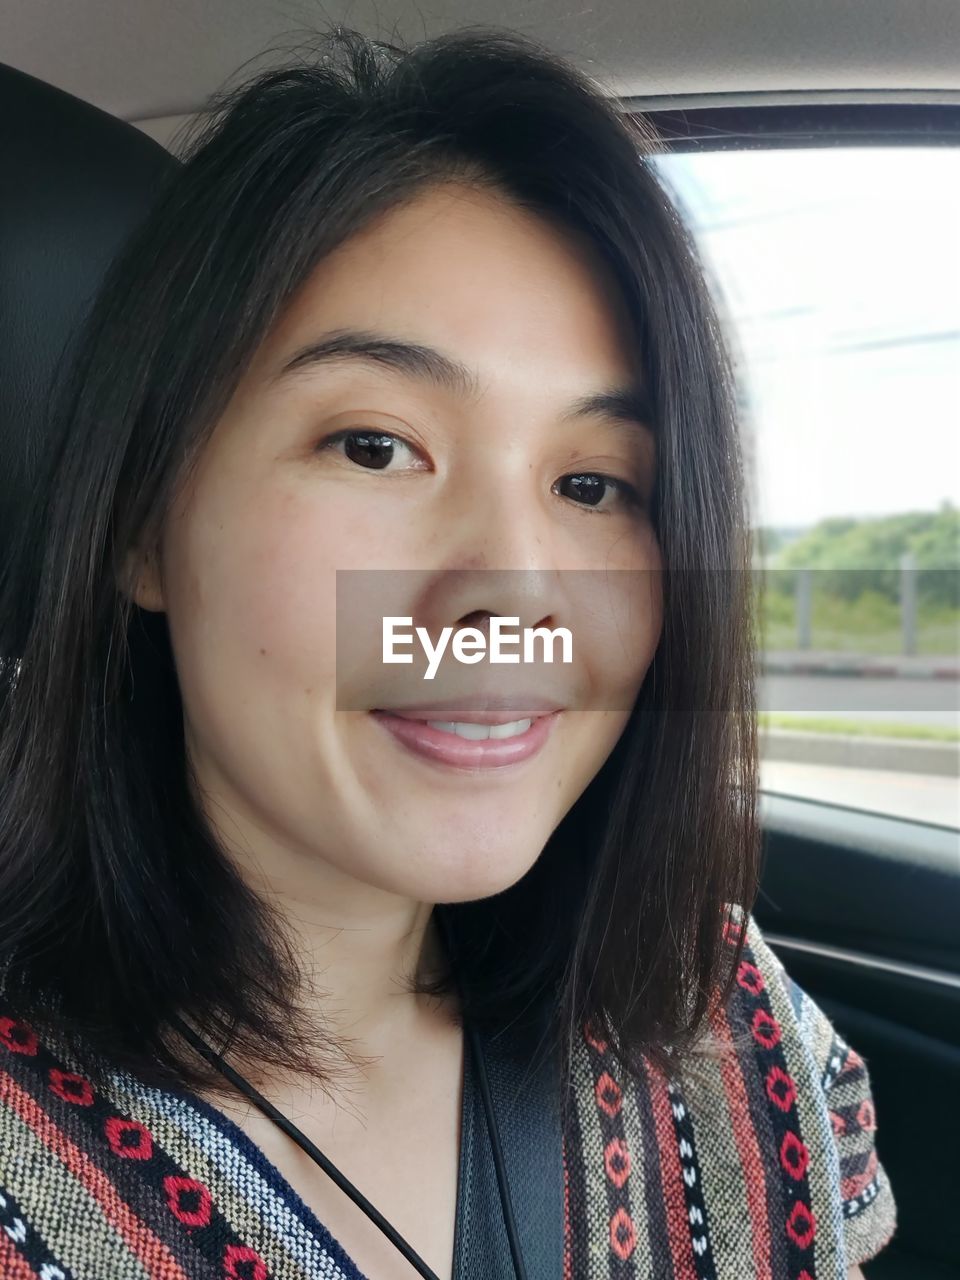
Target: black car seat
[[76, 181]]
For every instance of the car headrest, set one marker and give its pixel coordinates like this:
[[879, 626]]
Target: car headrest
[[76, 181]]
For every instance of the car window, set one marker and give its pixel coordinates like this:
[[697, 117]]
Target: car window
[[837, 270]]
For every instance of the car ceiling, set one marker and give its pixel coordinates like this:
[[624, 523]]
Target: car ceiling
[[155, 63]]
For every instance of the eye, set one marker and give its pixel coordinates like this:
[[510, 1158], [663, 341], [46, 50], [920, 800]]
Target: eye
[[371, 449], [590, 489]]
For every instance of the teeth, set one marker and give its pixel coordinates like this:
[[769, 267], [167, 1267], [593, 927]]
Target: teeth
[[478, 732]]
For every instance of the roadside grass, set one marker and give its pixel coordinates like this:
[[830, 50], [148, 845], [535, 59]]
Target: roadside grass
[[870, 624], [858, 728]]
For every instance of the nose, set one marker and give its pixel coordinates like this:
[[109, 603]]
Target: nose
[[499, 556], [471, 597], [497, 519]]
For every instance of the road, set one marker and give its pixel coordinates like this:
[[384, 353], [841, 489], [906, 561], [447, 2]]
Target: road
[[916, 796], [917, 701]]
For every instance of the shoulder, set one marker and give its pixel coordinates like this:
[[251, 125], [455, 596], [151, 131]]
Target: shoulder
[[755, 1158], [61, 1211], [116, 1178], [817, 1096]]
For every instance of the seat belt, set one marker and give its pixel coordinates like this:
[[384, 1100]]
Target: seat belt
[[525, 1092]]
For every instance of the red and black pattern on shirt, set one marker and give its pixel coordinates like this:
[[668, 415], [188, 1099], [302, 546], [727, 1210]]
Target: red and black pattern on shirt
[[854, 1123], [608, 1098], [164, 1213], [792, 1153], [692, 1184], [25, 1246]]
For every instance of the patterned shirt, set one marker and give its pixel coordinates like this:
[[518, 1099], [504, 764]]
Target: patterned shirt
[[755, 1162]]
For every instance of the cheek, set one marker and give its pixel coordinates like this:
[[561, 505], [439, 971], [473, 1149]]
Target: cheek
[[620, 615], [257, 586]]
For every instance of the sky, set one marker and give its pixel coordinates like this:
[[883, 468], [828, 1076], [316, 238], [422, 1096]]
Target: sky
[[838, 273]]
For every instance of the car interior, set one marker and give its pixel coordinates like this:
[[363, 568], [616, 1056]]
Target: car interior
[[863, 907]]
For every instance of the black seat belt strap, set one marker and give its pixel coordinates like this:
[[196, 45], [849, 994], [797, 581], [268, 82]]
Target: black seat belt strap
[[524, 1093]]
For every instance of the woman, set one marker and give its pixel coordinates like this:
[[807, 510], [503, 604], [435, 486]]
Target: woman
[[412, 336]]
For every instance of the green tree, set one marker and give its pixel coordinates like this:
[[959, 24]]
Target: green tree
[[863, 555]]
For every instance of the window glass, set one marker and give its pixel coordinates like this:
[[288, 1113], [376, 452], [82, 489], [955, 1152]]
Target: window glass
[[837, 271]]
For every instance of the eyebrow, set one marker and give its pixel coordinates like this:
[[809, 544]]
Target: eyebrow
[[629, 405]]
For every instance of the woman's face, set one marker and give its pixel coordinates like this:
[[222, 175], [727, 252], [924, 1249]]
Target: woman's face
[[444, 484]]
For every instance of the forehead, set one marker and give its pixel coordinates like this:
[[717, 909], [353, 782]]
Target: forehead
[[466, 270]]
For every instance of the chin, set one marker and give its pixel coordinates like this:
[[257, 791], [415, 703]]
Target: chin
[[467, 872]]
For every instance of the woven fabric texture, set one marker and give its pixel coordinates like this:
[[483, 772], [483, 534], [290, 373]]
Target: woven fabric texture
[[756, 1162]]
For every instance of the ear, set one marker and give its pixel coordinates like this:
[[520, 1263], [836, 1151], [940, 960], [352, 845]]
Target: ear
[[142, 579]]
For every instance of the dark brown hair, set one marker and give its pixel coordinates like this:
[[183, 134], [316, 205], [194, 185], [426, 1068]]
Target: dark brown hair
[[116, 900]]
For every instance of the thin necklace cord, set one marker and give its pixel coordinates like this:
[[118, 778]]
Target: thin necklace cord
[[345, 1185], [327, 1165]]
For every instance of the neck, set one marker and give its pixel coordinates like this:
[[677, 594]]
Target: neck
[[360, 947]]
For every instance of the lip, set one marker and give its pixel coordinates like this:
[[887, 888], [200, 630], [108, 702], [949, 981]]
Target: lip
[[477, 709], [442, 748]]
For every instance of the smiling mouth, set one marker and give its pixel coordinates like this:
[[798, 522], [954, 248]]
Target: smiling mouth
[[489, 741], [478, 709], [473, 731]]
